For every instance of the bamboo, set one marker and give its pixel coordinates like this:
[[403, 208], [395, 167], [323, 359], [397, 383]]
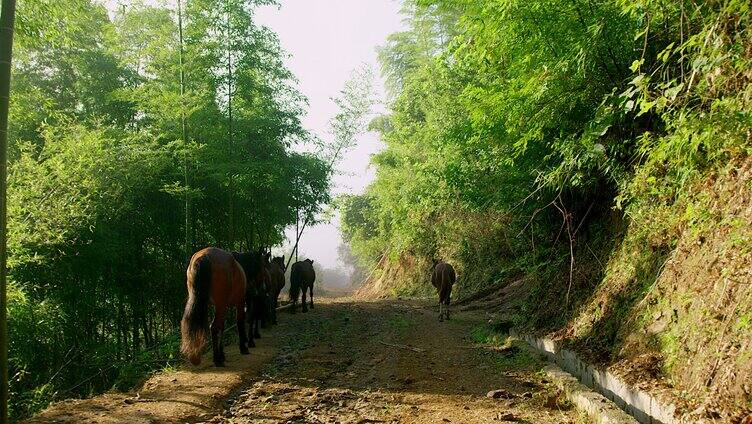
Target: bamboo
[[183, 133], [231, 244], [7, 16]]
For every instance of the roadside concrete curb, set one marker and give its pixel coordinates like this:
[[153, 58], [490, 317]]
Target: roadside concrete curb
[[600, 409], [637, 403]]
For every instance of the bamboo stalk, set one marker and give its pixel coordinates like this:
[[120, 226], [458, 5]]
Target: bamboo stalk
[[7, 16]]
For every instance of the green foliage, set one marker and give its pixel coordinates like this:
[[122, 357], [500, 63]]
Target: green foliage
[[575, 154], [508, 352], [510, 117], [99, 186]]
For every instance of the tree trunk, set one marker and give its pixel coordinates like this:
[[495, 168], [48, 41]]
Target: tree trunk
[[231, 241], [7, 16], [183, 132]]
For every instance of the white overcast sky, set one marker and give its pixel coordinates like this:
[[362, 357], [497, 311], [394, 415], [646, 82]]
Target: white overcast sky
[[327, 40]]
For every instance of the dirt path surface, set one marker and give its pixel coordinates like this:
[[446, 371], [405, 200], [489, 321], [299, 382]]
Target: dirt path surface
[[348, 362], [187, 395]]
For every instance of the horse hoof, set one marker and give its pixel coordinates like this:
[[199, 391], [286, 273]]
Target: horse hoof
[[219, 364], [244, 351]]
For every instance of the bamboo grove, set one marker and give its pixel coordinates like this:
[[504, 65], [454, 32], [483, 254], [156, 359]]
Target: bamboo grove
[[137, 137]]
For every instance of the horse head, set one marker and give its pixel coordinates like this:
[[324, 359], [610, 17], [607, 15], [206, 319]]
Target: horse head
[[280, 261]]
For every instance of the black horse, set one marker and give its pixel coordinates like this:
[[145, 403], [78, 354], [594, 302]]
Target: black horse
[[302, 277], [277, 273], [256, 299], [443, 278]]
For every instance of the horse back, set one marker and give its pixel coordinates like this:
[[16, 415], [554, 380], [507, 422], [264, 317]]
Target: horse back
[[227, 278], [443, 275], [302, 274]]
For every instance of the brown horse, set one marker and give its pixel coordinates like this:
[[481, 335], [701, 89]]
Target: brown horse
[[255, 295], [277, 272], [213, 277], [443, 278], [302, 277]]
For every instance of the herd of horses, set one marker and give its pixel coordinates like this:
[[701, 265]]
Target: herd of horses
[[251, 283]]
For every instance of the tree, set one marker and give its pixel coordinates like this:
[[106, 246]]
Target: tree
[[98, 223], [7, 17]]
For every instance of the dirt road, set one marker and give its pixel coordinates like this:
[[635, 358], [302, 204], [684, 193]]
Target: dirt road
[[350, 362]]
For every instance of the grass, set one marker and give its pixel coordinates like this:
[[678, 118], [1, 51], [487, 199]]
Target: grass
[[506, 352], [399, 324]]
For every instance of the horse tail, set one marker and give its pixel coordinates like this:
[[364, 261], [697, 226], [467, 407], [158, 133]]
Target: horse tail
[[446, 285], [194, 327], [295, 280]]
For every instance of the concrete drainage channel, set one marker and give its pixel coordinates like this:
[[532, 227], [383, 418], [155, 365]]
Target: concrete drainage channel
[[641, 406]]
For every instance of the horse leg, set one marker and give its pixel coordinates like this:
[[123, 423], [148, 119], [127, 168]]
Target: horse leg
[[265, 315], [294, 300], [240, 319], [276, 304], [274, 309], [446, 309], [310, 288], [215, 339], [441, 311], [249, 317], [217, 328], [251, 342], [256, 332], [270, 310], [303, 300]]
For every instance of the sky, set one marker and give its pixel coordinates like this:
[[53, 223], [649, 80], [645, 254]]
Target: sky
[[326, 41]]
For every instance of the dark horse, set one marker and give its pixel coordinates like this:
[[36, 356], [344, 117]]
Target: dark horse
[[443, 278], [255, 294], [213, 277], [277, 272], [302, 277]]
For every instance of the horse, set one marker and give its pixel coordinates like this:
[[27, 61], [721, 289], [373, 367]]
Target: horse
[[302, 277], [255, 294], [266, 280], [443, 277], [213, 276], [277, 271]]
